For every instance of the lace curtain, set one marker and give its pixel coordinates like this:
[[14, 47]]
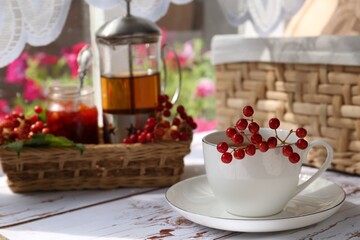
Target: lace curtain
[[38, 24]]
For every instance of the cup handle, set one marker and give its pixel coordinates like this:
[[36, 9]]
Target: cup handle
[[326, 164], [178, 89]]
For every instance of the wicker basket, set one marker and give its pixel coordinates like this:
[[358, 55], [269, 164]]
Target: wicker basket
[[324, 99], [103, 166]]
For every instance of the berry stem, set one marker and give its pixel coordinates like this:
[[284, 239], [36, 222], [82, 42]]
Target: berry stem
[[246, 136], [290, 132], [278, 138]]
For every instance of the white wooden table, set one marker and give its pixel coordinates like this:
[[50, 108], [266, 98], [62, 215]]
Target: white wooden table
[[131, 213]]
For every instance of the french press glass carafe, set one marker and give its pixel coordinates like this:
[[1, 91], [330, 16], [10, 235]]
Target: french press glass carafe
[[130, 61]]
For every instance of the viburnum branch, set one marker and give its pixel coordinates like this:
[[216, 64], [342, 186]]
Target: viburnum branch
[[254, 142]]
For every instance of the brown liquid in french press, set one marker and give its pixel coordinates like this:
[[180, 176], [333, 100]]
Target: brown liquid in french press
[[139, 98]]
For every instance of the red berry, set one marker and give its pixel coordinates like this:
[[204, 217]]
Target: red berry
[[174, 134], [301, 143], [226, 157], [15, 123], [250, 149], [294, 157], [168, 105], [167, 113], [14, 114], [31, 134], [237, 138], [189, 120], [222, 147], [239, 153], [148, 128], [183, 115], [248, 111], [272, 142], [274, 123], [38, 109], [254, 127], [263, 146], [241, 124], [33, 128], [159, 132], [133, 138], [149, 136], [159, 108], [256, 138], [193, 125], [141, 138], [161, 98], [301, 132], [287, 150], [8, 117], [39, 125], [45, 130], [7, 123], [151, 121], [230, 132], [176, 121], [180, 109], [183, 136], [21, 116], [166, 98], [33, 118], [165, 124]]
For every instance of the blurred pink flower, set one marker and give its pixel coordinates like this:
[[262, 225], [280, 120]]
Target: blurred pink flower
[[188, 51], [205, 125], [77, 47], [32, 91], [163, 36], [71, 60], [185, 57], [205, 88], [171, 61], [15, 71], [44, 59], [4, 108], [70, 56]]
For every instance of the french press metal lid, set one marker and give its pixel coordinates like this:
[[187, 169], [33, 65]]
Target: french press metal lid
[[128, 30]]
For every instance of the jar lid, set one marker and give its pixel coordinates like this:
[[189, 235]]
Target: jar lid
[[128, 30], [68, 92]]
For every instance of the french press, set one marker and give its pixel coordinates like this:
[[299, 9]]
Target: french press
[[130, 62]]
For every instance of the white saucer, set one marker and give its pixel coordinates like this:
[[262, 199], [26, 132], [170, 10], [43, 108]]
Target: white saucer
[[194, 199]]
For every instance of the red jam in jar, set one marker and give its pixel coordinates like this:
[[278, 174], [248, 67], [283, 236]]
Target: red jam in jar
[[72, 113]]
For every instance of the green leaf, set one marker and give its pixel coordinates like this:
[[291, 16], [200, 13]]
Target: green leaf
[[16, 146], [44, 140]]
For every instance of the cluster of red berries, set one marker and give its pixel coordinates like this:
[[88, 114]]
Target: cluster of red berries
[[162, 127], [256, 141], [16, 126]]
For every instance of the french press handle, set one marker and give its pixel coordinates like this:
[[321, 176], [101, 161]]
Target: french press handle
[[163, 83]]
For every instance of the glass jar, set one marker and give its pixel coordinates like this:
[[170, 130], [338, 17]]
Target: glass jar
[[72, 113]]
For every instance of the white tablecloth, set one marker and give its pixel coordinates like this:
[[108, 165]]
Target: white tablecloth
[[342, 50]]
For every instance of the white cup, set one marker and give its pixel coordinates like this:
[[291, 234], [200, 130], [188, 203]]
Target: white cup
[[259, 185]]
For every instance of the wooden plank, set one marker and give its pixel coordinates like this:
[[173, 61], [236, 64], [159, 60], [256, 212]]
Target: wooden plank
[[145, 216], [16, 208]]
